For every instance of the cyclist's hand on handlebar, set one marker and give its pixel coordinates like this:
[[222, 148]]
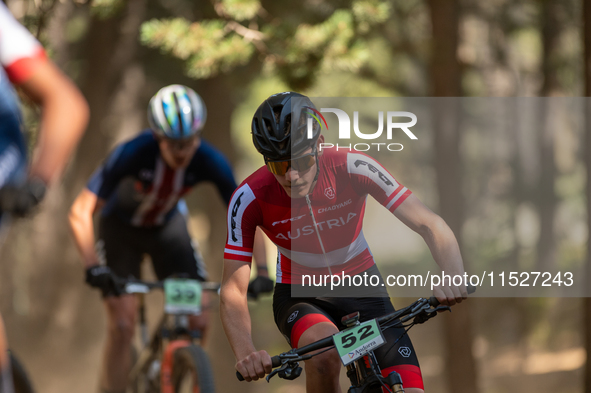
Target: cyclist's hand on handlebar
[[450, 295], [260, 285], [101, 277], [255, 366], [20, 200]]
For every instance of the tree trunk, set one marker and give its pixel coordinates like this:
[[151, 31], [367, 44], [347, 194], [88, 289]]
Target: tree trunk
[[545, 196], [460, 367], [587, 153], [111, 48], [218, 97]]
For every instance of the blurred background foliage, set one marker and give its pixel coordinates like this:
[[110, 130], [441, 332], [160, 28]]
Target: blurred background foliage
[[524, 192]]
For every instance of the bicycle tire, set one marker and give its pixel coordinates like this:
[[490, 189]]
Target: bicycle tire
[[20, 378], [142, 383], [192, 362]]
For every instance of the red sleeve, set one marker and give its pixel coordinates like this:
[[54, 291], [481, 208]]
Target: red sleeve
[[244, 216], [20, 52], [23, 68], [370, 177]]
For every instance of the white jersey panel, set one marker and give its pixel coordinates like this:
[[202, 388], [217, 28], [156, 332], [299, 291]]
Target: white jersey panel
[[333, 258], [362, 165], [242, 197], [16, 41]]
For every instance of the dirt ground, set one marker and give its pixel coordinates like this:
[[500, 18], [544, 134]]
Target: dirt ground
[[67, 358]]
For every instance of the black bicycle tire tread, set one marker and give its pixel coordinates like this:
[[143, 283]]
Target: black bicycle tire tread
[[20, 378], [199, 359]]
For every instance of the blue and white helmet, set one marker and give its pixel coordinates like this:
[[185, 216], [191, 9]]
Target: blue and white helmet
[[176, 112]]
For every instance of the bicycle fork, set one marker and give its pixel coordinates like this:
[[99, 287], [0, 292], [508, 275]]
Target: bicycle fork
[[367, 373], [143, 359], [143, 323], [393, 379]]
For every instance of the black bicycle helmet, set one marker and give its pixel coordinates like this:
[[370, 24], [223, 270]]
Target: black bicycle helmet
[[275, 135]]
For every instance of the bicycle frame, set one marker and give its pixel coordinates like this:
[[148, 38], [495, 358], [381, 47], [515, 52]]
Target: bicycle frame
[[365, 375], [162, 345], [172, 332]]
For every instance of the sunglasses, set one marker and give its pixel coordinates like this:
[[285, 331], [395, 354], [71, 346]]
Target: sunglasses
[[300, 164], [179, 144]]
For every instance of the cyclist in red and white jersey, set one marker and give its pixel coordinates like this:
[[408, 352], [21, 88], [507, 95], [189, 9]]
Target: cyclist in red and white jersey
[[311, 204], [338, 207], [63, 120]]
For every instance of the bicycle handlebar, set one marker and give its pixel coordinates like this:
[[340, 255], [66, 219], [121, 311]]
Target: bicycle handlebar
[[131, 286], [409, 312], [275, 362], [434, 302]]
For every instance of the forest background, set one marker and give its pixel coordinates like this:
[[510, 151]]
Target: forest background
[[512, 199]]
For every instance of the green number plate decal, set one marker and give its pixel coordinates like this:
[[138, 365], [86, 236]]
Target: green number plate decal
[[356, 341], [182, 296]]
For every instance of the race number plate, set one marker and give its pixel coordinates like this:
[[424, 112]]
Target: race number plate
[[182, 296], [356, 341]]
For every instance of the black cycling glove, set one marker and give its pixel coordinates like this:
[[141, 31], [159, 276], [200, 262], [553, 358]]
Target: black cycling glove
[[20, 200], [102, 277], [260, 285]]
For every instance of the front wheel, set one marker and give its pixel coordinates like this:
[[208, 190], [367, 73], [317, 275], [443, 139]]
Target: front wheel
[[191, 371]]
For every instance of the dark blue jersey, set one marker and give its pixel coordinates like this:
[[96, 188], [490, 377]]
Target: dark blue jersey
[[13, 151], [142, 190]]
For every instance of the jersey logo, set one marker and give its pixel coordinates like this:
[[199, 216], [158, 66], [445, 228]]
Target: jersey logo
[[288, 220], [329, 193], [335, 207], [292, 316], [374, 170], [99, 248], [146, 174], [309, 229], [234, 213], [404, 351]]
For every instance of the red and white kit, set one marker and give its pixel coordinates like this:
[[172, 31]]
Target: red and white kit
[[338, 202], [19, 50]]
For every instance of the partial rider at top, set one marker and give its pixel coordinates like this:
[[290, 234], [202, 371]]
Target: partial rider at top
[[64, 115]]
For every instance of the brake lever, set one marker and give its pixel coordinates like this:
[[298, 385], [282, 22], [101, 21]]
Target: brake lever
[[421, 303], [440, 308], [430, 313], [289, 371], [273, 373]]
